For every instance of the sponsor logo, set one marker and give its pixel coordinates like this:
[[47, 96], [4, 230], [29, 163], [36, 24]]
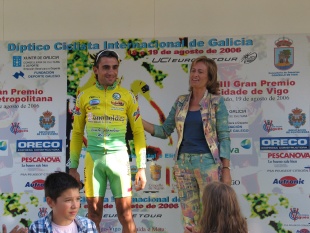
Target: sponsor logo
[[283, 54], [3, 145], [94, 97], [289, 181], [99, 119], [42, 159], [284, 143], [44, 74], [116, 96], [39, 145], [183, 60], [288, 170], [18, 74], [241, 146], [17, 61], [303, 231], [292, 155], [297, 118], [295, 215], [4, 148], [238, 110], [117, 103], [15, 128], [94, 102], [246, 144], [268, 126], [47, 121], [42, 212], [92, 107], [136, 114], [34, 174], [249, 57], [36, 184]]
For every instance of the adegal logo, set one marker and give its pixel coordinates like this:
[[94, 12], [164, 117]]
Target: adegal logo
[[3, 145], [246, 143], [288, 181], [36, 184]]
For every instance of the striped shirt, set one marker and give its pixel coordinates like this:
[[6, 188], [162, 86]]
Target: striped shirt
[[44, 225]]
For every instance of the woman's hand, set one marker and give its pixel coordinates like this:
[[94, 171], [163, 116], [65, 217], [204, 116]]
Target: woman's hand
[[189, 229], [226, 177]]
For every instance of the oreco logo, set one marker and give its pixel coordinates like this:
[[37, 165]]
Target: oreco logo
[[38, 145], [288, 181], [36, 184], [284, 143]]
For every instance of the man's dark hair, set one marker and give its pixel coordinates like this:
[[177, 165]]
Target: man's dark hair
[[105, 53], [58, 182]]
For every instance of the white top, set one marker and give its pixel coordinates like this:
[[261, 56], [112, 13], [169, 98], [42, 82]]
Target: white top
[[71, 228]]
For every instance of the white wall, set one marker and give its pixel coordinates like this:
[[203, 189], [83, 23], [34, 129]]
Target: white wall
[[98, 19]]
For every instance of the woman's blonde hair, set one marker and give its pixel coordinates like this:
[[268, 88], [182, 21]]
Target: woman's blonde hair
[[212, 84], [220, 210]]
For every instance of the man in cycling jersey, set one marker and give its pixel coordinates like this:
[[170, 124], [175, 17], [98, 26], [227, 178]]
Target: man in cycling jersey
[[102, 111]]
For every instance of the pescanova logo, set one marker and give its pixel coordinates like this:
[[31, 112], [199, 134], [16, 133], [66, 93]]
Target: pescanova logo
[[36, 184], [289, 181]]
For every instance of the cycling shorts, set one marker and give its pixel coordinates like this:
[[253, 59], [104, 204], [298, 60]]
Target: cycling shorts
[[114, 168]]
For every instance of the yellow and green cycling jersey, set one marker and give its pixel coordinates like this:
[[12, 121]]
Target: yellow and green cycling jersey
[[103, 115]]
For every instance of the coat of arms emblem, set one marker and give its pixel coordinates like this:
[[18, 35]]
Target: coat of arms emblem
[[297, 118], [284, 54], [47, 121]]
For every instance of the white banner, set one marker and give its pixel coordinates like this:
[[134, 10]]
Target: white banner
[[264, 80]]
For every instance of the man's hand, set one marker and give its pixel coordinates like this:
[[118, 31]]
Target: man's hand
[[73, 172], [140, 181], [16, 229]]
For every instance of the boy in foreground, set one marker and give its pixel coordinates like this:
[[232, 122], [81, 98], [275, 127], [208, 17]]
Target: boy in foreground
[[62, 195]]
